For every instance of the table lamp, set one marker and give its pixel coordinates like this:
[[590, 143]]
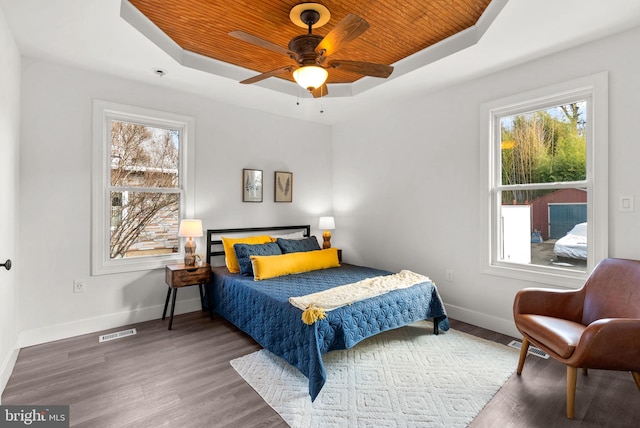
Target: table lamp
[[326, 223], [190, 229]]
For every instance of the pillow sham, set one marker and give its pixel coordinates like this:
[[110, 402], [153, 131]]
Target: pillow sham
[[230, 255], [265, 267], [245, 251], [298, 245]]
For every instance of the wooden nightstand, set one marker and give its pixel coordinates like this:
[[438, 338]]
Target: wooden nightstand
[[179, 275]]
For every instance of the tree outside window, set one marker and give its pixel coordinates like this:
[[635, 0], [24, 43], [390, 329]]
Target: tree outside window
[[145, 194], [544, 150], [142, 175], [544, 175]]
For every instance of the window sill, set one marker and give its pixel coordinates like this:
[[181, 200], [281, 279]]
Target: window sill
[[544, 275], [135, 264]]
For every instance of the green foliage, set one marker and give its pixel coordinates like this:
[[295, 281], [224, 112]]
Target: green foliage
[[544, 146], [569, 162]]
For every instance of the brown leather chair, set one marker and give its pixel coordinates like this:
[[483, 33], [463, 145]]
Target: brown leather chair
[[596, 326]]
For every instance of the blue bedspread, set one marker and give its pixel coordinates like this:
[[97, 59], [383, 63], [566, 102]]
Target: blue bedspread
[[262, 310]]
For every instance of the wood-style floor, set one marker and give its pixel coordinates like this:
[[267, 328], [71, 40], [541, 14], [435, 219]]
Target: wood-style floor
[[182, 378]]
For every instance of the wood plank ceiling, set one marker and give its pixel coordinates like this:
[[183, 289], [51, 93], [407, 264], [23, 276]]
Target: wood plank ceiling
[[398, 29]]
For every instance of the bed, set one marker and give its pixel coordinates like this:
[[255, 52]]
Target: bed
[[262, 309]]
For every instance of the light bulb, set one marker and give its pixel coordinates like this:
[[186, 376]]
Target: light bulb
[[310, 77]]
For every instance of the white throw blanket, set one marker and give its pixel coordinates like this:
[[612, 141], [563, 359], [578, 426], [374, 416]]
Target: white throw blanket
[[315, 305]]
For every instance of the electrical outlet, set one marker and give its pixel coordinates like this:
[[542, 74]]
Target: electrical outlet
[[79, 285], [449, 275]]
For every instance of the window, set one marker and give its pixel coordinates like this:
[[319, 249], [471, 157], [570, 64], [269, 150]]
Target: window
[[141, 181], [545, 181]]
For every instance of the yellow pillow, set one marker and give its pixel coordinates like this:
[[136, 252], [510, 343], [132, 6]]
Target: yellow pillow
[[265, 267], [230, 253]]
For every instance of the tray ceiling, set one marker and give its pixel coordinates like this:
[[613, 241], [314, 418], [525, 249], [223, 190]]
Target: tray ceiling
[[399, 28]]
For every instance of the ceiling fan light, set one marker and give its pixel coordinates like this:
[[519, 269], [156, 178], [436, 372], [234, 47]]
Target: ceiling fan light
[[310, 77]]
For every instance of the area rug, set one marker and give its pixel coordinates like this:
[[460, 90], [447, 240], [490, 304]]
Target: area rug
[[405, 377]]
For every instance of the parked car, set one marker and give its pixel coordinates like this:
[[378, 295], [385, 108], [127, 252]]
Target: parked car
[[574, 244]]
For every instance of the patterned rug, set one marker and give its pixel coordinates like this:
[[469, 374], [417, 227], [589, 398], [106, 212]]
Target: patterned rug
[[401, 378]]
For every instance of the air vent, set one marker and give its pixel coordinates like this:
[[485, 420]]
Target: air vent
[[532, 349], [117, 335]]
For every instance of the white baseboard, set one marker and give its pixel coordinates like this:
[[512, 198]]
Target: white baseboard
[[86, 326], [6, 369], [105, 322], [480, 319]]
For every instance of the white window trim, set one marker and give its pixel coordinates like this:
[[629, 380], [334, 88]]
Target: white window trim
[[103, 113], [594, 88]]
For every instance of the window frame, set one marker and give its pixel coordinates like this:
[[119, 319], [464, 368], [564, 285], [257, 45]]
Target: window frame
[[103, 113], [593, 89]]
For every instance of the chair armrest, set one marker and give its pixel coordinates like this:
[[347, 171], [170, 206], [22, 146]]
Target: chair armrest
[[611, 344], [564, 304]]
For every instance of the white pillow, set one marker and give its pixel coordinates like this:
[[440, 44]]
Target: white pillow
[[293, 235]]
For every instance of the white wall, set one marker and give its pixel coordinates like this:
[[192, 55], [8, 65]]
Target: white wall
[[406, 193], [9, 148], [409, 192], [55, 192]]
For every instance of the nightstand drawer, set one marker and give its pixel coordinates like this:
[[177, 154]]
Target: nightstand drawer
[[187, 276], [179, 275]]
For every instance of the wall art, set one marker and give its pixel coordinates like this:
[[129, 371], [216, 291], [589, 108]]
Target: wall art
[[251, 185], [283, 186]]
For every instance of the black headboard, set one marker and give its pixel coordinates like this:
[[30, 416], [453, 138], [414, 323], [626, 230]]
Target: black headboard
[[214, 243]]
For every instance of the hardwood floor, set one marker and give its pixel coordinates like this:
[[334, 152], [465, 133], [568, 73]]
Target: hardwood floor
[[182, 378]]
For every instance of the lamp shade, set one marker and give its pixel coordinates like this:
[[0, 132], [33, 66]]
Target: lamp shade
[[310, 77], [190, 228], [327, 223]]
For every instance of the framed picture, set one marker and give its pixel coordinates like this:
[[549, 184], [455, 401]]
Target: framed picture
[[283, 186], [251, 185]]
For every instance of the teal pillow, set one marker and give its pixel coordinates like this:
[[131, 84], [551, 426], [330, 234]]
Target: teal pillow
[[298, 245], [245, 251]]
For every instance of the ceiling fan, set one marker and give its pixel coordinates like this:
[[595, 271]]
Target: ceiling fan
[[309, 52]]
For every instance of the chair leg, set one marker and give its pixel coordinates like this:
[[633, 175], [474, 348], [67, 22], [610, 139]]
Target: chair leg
[[572, 375], [636, 377], [523, 354]]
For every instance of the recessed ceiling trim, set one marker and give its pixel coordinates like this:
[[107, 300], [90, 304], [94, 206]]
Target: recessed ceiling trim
[[142, 24], [459, 41], [442, 49], [490, 14]]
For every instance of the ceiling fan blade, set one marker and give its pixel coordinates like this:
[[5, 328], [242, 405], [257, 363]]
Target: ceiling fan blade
[[364, 68], [321, 91], [345, 31], [249, 38], [267, 74]]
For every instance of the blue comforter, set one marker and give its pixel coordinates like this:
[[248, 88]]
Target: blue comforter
[[262, 310]]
